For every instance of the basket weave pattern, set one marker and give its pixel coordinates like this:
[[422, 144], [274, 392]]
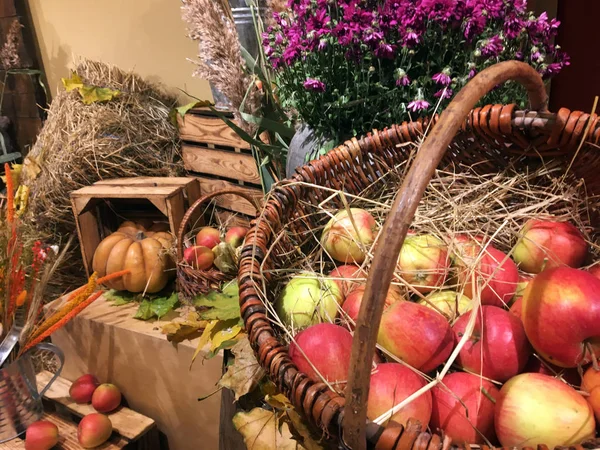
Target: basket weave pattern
[[491, 137]]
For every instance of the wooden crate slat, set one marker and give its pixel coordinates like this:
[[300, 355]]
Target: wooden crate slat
[[67, 437], [126, 422], [147, 181], [238, 166], [209, 130], [113, 191], [231, 202]]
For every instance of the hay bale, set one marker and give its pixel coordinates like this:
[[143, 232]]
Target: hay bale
[[80, 144]]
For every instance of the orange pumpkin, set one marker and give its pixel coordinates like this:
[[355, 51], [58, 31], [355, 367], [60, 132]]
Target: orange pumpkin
[[142, 251]]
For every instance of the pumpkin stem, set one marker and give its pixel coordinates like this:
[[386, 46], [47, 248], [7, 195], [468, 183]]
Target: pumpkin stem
[[140, 235]]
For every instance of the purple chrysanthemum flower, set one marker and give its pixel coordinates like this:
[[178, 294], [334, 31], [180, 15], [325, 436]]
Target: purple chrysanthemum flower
[[314, 85], [519, 56], [440, 10], [402, 78], [384, 50], [443, 77], [492, 47], [418, 105], [444, 93], [322, 44], [411, 37]]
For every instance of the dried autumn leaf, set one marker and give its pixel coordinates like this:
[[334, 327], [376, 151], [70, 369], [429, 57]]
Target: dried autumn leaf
[[300, 431], [245, 373], [182, 330], [225, 258], [72, 83], [213, 328], [95, 94], [31, 167], [224, 335], [264, 430]]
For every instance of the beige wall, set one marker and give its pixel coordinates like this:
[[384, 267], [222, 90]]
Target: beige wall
[[147, 36]]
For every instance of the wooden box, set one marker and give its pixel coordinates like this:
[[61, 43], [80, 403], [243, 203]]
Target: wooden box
[[154, 374], [101, 207], [219, 158], [131, 430]]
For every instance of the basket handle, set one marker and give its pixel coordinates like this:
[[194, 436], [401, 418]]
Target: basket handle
[[198, 203], [399, 219]]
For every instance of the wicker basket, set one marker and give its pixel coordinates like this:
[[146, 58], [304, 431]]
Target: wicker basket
[[190, 281], [491, 137]]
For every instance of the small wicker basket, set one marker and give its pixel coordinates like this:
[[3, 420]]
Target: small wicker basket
[[490, 137], [192, 282]]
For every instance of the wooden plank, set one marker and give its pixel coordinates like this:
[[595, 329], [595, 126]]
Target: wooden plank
[[231, 202], [126, 422], [176, 210], [208, 130], [89, 237], [237, 166], [147, 181], [67, 437], [111, 191]]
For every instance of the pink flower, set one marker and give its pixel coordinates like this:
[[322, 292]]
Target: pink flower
[[443, 93], [402, 78], [418, 105], [314, 85], [443, 77]]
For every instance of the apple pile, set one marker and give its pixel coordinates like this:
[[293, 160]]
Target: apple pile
[[94, 429], [201, 255], [515, 380]]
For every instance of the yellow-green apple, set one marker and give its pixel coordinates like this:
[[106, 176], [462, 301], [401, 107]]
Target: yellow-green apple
[[494, 272], [308, 299], [83, 387], [106, 398], [208, 237], [351, 305], [392, 383], [424, 262], [537, 365], [94, 430], [544, 244], [498, 348], [348, 277], [41, 435], [450, 303], [416, 334], [235, 236], [591, 384], [348, 237], [464, 408], [328, 348], [517, 308], [199, 257], [534, 409], [561, 315]]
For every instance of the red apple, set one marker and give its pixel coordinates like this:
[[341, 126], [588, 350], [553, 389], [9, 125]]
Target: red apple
[[595, 270], [591, 384], [106, 398], [545, 244], [208, 237], [353, 301], [348, 277], [94, 430], [416, 334], [463, 408], [534, 409], [347, 238], [235, 236], [327, 347], [498, 348], [450, 303], [424, 262], [537, 365], [495, 272], [517, 308], [199, 257], [41, 435], [391, 384], [561, 315], [82, 388]]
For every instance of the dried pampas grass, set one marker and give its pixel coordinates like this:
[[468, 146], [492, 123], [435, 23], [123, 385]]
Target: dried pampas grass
[[9, 53], [220, 60], [80, 144]]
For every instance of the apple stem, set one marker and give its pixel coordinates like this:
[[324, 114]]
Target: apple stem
[[590, 349]]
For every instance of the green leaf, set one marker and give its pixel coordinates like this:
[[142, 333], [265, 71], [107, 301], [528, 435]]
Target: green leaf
[[225, 345], [163, 305], [95, 94], [144, 311], [119, 298], [270, 125], [222, 305]]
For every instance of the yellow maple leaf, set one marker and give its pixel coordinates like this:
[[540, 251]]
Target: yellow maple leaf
[[264, 430], [72, 83], [221, 336], [94, 94]]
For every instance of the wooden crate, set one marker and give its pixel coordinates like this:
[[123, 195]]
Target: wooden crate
[[131, 430], [101, 207], [214, 153], [154, 374]]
